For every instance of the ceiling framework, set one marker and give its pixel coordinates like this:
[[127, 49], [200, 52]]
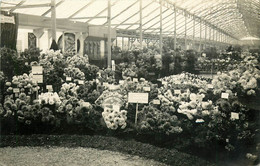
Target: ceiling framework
[[235, 19]]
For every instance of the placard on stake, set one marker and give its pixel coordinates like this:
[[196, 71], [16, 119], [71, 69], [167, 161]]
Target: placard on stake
[[137, 98]]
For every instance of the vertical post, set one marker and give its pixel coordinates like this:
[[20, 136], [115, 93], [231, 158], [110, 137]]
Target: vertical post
[[200, 35], [122, 43], [109, 35], [141, 23], [194, 32], [128, 43], [175, 16], [160, 27], [213, 31], [205, 35], [136, 114], [185, 28], [63, 42], [53, 19]]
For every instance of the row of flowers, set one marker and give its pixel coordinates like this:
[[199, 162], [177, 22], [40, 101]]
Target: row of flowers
[[186, 104]]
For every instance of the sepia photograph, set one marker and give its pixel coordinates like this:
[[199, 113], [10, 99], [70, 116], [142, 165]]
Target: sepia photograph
[[130, 83]]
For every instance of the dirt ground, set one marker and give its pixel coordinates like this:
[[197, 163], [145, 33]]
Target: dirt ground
[[60, 156]]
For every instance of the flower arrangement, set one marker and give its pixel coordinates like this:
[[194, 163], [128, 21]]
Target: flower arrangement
[[68, 90], [49, 98], [158, 121], [77, 60], [74, 73], [89, 92], [114, 118]]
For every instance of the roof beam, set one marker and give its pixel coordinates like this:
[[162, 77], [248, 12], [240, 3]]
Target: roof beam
[[145, 15], [19, 4], [153, 19], [123, 11], [48, 11], [27, 6], [101, 12], [84, 7], [133, 15]]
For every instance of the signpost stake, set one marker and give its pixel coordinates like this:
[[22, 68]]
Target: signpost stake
[[136, 113]]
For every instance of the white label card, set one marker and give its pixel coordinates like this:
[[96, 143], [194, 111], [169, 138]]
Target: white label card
[[116, 107], [121, 82], [105, 84], [37, 69], [224, 95], [68, 78], [164, 82], [234, 115], [157, 102], [177, 92], [16, 90], [81, 82], [210, 86], [147, 89], [138, 97], [135, 79], [48, 86], [38, 78]]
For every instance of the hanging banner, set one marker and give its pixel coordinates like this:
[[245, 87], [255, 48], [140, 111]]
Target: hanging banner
[[7, 19]]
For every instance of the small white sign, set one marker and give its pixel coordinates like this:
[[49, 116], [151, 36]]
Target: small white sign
[[68, 78], [105, 84], [164, 82], [113, 65], [38, 78], [177, 92], [135, 79], [234, 115], [7, 19], [16, 90], [147, 89], [37, 69], [48, 86], [138, 97], [156, 102], [121, 82], [210, 86], [224, 95], [116, 107], [81, 82]]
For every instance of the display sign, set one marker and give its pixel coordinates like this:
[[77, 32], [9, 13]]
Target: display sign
[[138, 97], [164, 82], [135, 79], [224, 95], [121, 82], [105, 84], [38, 78], [16, 90], [234, 115], [7, 19], [147, 89], [177, 92], [37, 69], [156, 102], [199, 121], [116, 107], [210, 86], [81, 82], [68, 78], [113, 87], [48, 86]]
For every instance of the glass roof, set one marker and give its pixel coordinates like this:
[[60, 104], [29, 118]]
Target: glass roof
[[237, 18]]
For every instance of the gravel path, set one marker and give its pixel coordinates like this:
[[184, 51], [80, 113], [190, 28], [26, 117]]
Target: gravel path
[[60, 156]]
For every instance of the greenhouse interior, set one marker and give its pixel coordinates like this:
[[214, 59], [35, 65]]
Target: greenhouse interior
[[171, 82]]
